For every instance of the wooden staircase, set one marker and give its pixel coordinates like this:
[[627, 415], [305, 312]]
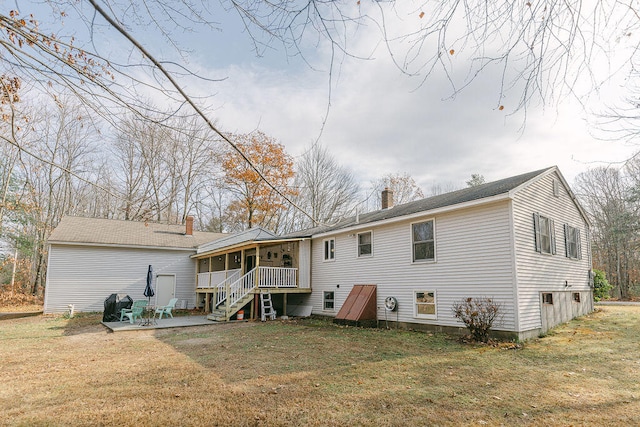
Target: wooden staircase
[[235, 296], [221, 314]]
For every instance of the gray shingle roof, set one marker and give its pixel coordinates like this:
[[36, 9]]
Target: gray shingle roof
[[448, 199], [97, 231], [249, 235]]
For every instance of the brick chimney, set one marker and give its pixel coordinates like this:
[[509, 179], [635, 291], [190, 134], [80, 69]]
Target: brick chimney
[[387, 198], [189, 226]]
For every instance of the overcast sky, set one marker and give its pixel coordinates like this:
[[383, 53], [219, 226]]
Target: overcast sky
[[381, 121]]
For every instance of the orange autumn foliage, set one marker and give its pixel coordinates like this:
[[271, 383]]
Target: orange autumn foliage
[[255, 202]]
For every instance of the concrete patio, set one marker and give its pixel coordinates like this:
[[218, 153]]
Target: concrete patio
[[176, 322]]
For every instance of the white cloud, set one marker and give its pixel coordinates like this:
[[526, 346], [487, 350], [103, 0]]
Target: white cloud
[[381, 121]]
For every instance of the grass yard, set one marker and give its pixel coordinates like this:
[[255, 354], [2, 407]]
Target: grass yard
[[56, 371]]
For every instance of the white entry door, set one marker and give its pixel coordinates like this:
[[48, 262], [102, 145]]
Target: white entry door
[[165, 288]]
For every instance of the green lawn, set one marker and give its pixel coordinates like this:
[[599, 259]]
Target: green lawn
[[310, 372]]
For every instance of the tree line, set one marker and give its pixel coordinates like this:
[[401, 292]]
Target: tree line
[[611, 197], [167, 169], [69, 163]]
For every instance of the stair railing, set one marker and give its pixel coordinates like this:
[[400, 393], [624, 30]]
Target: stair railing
[[222, 287], [240, 288]]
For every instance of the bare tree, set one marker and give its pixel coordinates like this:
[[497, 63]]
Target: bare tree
[[130, 168], [613, 210], [326, 190], [196, 147], [64, 137], [404, 187]]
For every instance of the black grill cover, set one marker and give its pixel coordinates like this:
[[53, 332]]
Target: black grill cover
[[113, 305]]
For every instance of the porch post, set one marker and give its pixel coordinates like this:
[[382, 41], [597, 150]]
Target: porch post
[[257, 275], [255, 306], [284, 305], [227, 300], [207, 303]]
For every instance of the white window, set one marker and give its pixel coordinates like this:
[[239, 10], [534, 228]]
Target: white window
[[572, 245], [424, 304], [545, 236], [329, 249], [365, 244], [423, 239], [328, 301]]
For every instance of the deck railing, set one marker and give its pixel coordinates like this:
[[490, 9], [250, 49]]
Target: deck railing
[[214, 278], [276, 277], [230, 282]]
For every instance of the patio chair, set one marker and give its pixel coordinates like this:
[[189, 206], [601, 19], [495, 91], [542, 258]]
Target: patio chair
[[166, 309], [135, 311]]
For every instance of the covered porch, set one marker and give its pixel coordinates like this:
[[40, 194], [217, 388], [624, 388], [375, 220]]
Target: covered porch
[[230, 278]]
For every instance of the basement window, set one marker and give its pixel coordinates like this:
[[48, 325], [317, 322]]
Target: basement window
[[576, 297], [424, 304], [328, 301], [547, 298]]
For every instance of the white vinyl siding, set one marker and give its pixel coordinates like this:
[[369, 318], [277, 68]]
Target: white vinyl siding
[[474, 259], [304, 264], [86, 275], [536, 273]]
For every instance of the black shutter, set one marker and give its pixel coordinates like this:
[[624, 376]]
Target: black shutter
[[552, 236], [578, 244], [536, 232]]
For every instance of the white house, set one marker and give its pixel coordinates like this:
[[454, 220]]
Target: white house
[[522, 241], [89, 259]]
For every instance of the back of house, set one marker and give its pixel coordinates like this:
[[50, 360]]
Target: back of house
[[523, 242]]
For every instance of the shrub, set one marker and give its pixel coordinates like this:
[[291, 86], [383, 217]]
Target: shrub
[[601, 286], [478, 315]]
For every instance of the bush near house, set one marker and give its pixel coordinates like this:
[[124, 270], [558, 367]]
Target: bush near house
[[601, 286], [478, 315]]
